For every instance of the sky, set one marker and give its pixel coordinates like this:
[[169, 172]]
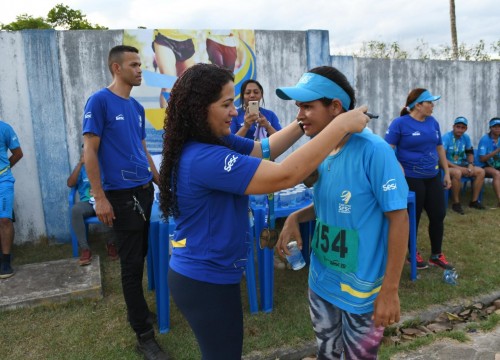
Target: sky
[[349, 22]]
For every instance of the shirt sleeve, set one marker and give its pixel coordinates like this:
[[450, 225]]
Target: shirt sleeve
[[386, 178], [223, 169], [393, 133], [93, 116]]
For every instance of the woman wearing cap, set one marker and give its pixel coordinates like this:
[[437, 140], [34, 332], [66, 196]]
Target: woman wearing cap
[[359, 243], [489, 155], [419, 148], [254, 126], [207, 174]]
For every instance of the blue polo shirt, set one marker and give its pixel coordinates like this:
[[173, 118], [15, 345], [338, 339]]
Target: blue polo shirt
[[212, 232], [455, 148], [416, 143], [120, 123]]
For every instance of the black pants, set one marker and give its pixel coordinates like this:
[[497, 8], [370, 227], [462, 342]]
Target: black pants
[[429, 195], [131, 236], [214, 313]]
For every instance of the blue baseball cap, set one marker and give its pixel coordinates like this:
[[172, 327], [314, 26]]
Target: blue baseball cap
[[461, 120], [314, 87], [425, 96], [494, 121]]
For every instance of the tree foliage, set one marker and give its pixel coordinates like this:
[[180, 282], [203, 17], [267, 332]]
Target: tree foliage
[[474, 52], [60, 17], [25, 21]]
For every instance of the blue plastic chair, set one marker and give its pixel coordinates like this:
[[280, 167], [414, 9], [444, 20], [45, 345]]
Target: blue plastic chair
[[89, 220]]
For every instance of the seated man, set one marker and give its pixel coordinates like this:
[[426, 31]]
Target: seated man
[[460, 156], [488, 155], [82, 210]]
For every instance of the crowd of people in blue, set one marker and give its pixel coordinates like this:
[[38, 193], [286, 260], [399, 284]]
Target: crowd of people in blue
[[215, 156]]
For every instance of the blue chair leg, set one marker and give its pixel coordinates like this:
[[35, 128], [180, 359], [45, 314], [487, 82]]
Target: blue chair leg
[[162, 293], [251, 281]]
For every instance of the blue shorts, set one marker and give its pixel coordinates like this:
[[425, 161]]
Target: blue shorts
[[6, 199]]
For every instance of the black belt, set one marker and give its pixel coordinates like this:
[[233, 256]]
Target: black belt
[[131, 190]]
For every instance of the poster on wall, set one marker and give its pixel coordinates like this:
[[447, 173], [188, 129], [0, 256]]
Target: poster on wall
[[167, 53]]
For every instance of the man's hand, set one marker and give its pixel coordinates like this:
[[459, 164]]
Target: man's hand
[[104, 211]]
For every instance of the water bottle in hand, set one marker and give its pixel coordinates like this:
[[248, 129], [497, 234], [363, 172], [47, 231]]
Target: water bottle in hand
[[450, 277]]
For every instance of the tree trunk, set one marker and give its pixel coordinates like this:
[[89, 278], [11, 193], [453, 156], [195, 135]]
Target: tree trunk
[[453, 23]]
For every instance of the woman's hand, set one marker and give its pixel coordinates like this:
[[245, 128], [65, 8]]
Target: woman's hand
[[353, 121], [250, 119], [289, 232]]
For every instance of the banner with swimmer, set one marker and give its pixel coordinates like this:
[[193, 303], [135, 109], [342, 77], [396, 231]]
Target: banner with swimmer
[[167, 53]]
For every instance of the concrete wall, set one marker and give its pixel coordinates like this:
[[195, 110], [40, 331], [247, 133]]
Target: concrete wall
[[46, 77]]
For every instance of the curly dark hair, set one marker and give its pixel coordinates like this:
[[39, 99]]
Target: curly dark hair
[[186, 118]]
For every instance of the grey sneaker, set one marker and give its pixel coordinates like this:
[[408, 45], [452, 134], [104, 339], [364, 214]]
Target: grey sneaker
[[149, 348]]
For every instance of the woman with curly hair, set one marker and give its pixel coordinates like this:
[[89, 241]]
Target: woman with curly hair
[[207, 174]]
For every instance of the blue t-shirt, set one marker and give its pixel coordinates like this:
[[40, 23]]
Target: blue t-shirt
[[486, 146], [239, 120], [8, 141], [416, 145], [354, 189], [83, 185], [212, 233], [120, 123], [455, 148]]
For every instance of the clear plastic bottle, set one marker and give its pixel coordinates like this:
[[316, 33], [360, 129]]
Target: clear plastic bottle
[[450, 277]]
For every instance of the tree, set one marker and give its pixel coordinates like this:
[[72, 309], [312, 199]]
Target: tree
[[25, 21], [453, 23], [65, 17], [60, 16]]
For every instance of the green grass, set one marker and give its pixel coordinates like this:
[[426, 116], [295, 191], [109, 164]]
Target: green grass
[[98, 329]]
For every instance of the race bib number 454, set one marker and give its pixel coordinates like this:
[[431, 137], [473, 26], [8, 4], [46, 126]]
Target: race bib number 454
[[335, 247]]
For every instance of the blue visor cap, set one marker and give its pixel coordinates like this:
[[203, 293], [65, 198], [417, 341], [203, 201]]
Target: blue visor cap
[[314, 87], [461, 120], [425, 96], [494, 121]]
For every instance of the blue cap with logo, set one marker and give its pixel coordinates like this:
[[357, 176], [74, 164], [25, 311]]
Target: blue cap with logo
[[494, 121], [461, 120], [314, 87]]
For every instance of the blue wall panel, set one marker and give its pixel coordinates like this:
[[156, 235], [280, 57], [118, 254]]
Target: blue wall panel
[[47, 112]]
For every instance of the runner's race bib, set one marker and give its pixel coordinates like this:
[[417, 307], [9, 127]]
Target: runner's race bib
[[336, 248]]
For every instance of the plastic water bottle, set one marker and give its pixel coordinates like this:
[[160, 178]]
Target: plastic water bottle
[[450, 277]]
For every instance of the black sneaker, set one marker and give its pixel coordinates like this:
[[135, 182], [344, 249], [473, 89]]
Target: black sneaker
[[476, 205], [149, 348], [6, 271], [440, 260], [458, 208], [421, 263]]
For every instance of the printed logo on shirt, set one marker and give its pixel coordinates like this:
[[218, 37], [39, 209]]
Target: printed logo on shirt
[[389, 185], [14, 138], [88, 115], [120, 117], [416, 133], [344, 207], [140, 121], [229, 161], [437, 134]]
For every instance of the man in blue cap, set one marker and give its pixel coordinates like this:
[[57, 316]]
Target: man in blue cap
[[460, 156]]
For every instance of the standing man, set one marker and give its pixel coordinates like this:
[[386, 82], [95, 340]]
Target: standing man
[[115, 151], [8, 141], [460, 157]]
